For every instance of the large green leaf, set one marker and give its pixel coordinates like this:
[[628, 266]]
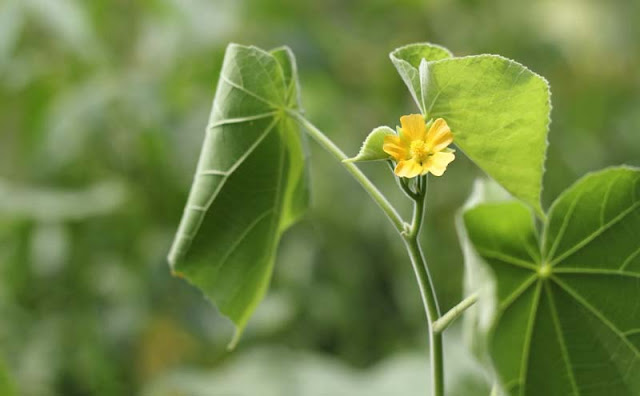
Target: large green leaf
[[498, 111], [567, 303], [249, 186]]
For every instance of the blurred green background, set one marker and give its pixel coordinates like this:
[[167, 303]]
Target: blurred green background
[[103, 106]]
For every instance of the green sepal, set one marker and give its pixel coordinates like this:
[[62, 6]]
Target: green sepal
[[371, 149]]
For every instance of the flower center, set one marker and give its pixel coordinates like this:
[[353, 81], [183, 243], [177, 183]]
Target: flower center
[[419, 150]]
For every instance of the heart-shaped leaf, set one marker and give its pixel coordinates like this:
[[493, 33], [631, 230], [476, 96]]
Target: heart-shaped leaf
[[371, 149], [249, 186], [567, 309], [498, 111]]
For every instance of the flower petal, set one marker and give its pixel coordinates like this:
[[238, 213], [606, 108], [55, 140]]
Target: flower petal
[[413, 127], [438, 162], [439, 135], [393, 146], [408, 168]]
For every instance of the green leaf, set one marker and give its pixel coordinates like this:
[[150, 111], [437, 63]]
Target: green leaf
[[414, 73], [371, 149], [249, 186], [498, 111], [567, 309]]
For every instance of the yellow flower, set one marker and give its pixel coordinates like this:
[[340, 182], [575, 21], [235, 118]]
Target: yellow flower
[[418, 151]]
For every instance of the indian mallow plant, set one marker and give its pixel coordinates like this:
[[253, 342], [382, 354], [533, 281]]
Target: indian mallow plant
[[556, 291]]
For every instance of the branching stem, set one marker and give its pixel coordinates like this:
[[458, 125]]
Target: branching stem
[[425, 285], [445, 320], [409, 233]]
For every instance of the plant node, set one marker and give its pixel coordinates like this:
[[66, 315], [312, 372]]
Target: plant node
[[544, 271]]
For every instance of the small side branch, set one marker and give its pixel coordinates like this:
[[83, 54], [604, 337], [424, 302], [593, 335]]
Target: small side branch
[[445, 320]]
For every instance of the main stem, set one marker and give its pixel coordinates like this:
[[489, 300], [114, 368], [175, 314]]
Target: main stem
[[427, 291], [409, 234]]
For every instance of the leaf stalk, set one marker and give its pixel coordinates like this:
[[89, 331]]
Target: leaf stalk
[[360, 177]]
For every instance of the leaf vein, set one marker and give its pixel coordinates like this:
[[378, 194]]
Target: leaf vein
[[239, 120], [629, 259], [240, 160], [565, 224], [605, 201], [235, 244], [509, 300], [594, 271], [528, 338], [433, 102], [579, 299], [595, 234], [246, 91], [563, 345], [507, 259]]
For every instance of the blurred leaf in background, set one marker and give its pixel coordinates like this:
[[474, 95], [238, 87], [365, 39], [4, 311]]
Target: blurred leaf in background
[[6, 387], [115, 94]]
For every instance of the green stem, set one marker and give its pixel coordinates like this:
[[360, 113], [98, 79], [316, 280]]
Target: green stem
[[445, 320], [401, 182], [427, 291], [334, 150]]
